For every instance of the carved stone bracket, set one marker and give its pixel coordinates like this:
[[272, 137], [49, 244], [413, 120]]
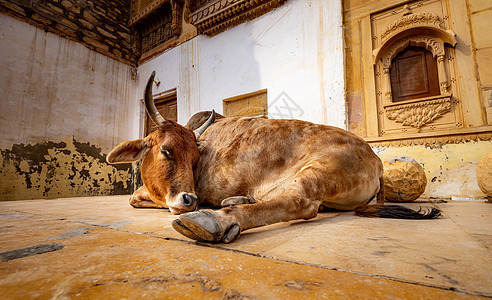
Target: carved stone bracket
[[177, 13], [419, 113], [214, 16]]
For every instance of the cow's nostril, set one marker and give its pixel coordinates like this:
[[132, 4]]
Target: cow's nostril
[[189, 200]]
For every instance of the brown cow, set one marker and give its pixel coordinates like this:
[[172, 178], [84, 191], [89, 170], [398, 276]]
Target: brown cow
[[263, 171]]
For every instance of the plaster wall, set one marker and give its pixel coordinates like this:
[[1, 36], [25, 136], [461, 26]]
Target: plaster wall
[[451, 169], [449, 159], [63, 107], [295, 52]]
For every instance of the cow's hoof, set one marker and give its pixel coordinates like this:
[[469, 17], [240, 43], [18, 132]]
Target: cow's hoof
[[204, 225], [179, 227], [238, 200]]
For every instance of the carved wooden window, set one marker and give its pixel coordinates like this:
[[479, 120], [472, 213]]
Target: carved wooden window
[[156, 26], [414, 75], [413, 71]]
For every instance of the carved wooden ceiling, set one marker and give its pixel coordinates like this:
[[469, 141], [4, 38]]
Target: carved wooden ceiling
[[214, 16]]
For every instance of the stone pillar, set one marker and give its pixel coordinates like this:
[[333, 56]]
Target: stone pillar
[[443, 78], [387, 85]]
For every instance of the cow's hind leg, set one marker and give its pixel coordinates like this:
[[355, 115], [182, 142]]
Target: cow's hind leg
[[238, 200], [226, 224], [380, 195], [141, 199]]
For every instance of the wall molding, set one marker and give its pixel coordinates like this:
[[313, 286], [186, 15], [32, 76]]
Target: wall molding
[[433, 138]]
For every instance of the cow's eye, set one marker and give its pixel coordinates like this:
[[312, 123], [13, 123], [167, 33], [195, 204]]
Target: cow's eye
[[167, 153]]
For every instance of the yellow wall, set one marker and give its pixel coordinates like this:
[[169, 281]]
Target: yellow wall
[[450, 169], [450, 164]]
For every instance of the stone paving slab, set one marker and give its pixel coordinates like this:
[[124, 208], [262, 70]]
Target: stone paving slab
[[105, 242]]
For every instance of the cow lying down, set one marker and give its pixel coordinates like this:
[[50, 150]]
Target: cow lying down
[[260, 171]]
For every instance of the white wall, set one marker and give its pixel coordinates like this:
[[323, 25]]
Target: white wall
[[52, 88], [295, 51]]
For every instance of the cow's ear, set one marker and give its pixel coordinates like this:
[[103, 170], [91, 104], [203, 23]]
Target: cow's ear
[[127, 152]]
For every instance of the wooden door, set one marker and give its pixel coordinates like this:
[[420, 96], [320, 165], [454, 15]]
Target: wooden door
[[414, 75], [167, 106]]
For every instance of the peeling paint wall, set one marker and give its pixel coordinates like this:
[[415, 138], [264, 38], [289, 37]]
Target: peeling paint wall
[[451, 169], [63, 107], [294, 51], [59, 169]]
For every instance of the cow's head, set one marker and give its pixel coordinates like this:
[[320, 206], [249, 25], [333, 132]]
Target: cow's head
[[168, 156]]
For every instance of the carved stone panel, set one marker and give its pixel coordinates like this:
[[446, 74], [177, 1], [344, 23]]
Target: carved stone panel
[[419, 113], [414, 71]]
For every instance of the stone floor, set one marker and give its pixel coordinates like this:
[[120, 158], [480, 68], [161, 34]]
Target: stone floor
[[101, 248]]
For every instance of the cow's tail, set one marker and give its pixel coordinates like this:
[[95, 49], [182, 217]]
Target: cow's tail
[[380, 210], [396, 212]]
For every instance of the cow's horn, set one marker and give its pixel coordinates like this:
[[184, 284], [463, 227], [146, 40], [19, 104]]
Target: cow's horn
[[154, 114], [205, 125]]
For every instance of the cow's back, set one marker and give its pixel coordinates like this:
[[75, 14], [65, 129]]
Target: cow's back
[[261, 157]]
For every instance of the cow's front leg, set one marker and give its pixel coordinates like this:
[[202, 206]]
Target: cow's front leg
[[226, 224], [141, 199], [207, 225]]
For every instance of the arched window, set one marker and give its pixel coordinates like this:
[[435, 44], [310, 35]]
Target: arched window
[[414, 74]]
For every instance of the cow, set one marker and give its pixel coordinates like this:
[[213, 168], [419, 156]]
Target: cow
[[258, 171]]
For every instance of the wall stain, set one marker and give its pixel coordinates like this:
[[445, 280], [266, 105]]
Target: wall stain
[[66, 168]]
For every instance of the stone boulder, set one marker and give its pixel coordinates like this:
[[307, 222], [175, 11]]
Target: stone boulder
[[404, 179], [484, 174]]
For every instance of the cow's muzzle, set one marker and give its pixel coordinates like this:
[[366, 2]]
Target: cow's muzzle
[[183, 203]]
